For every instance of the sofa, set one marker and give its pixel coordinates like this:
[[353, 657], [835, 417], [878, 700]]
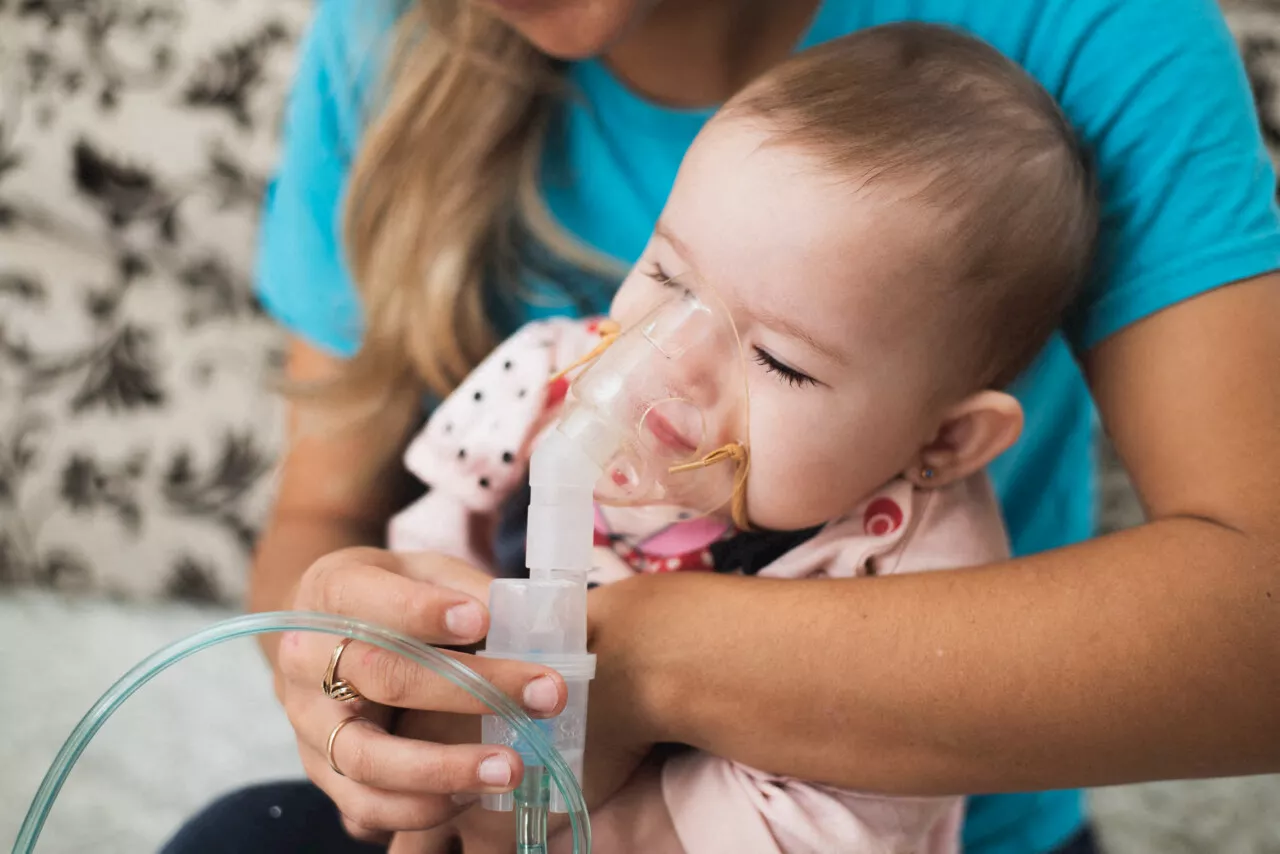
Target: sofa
[[140, 429]]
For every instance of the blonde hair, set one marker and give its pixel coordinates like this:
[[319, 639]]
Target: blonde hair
[[444, 187]]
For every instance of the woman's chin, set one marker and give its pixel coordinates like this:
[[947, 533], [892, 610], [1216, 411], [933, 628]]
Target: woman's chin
[[569, 29]]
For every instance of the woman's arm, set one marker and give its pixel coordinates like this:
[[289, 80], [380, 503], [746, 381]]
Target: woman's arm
[[1147, 654], [338, 487]]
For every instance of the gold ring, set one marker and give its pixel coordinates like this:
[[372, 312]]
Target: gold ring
[[334, 734], [335, 688]]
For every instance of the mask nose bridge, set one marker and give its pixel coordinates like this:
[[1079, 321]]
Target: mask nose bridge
[[703, 363]]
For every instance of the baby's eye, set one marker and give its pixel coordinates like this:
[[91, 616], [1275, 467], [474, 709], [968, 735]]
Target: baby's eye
[[656, 272], [786, 373]]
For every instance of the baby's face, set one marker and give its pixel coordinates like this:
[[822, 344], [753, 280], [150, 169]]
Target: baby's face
[[819, 278]]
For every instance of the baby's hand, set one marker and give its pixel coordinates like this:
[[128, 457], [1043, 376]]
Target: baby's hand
[[485, 832], [438, 840], [481, 832]]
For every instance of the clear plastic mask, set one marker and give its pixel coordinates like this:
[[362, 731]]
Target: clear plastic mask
[[664, 409]]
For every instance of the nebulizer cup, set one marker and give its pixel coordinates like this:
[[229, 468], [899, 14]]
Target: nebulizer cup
[[658, 417]]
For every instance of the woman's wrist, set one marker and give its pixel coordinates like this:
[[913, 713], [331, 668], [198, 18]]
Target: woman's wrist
[[648, 651], [622, 689]]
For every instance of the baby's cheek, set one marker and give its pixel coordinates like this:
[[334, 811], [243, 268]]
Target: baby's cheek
[[792, 472], [812, 463]]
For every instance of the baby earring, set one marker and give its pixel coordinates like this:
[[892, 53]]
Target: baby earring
[[926, 473]]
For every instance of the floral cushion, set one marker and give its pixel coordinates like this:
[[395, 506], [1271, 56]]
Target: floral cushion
[[138, 428]]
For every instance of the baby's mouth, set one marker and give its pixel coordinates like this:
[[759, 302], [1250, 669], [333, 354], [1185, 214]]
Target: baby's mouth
[[668, 435]]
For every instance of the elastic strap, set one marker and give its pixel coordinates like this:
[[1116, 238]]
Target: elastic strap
[[609, 331], [741, 457]]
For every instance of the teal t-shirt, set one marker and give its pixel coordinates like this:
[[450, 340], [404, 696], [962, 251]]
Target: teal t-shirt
[[1155, 87]]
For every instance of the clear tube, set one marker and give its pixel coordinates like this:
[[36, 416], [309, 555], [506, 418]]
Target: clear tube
[[532, 815]]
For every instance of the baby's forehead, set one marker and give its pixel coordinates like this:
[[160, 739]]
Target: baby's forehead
[[909, 163], [775, 222]]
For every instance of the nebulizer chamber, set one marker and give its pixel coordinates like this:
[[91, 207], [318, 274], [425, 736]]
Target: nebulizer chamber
[[643, 424]]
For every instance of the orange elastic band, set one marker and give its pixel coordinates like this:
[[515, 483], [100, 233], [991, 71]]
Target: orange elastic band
[[742, 464], [609, 332]]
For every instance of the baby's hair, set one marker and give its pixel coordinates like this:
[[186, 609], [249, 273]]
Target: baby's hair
[[963, 130]]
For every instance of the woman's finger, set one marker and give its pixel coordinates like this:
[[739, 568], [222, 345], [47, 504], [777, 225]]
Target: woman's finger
[[440, 727], [396, 681], [369, 810], [393, 680], [446, 571], [366, 753], [359, 583], [313, 715]]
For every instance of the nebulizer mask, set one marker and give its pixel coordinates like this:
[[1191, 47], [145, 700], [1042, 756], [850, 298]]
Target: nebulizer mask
[[663, 409], [656, 416]]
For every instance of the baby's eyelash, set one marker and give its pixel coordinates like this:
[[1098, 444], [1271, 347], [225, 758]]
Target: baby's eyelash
[[789, 375], [665, 279], [660, 275]]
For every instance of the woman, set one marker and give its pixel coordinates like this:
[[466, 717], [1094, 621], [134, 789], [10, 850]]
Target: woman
[[477, 195]]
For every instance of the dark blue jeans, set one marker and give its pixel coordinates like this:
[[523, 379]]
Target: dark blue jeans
[[297, 818]]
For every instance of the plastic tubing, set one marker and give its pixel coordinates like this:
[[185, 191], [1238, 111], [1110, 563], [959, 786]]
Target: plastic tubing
[[560, 774]]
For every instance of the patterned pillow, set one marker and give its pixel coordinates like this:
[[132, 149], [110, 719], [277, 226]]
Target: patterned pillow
[[137, 426]]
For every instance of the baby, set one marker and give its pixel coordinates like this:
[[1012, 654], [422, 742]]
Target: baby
[[896, 222]]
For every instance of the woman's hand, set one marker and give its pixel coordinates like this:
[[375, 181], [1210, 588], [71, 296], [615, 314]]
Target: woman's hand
[[618, 751], [390, 783]]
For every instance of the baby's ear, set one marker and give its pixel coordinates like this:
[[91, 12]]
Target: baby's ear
[[971, 434]]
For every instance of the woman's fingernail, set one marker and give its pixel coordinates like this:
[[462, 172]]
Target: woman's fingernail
[[541, 695], [464, 620], [495, 771]]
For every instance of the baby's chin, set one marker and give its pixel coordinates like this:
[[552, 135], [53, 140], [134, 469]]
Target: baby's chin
[[790, 509], [771, 516]]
